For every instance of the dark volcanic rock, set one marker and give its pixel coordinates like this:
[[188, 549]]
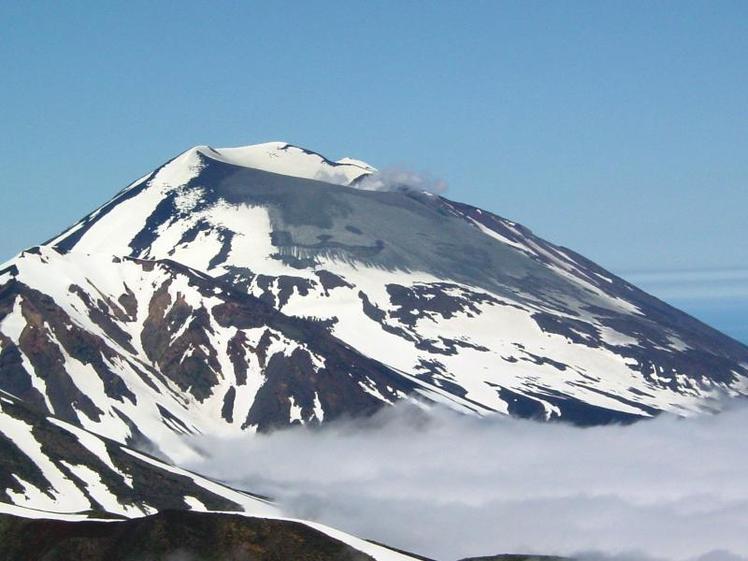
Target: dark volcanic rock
[[170, 536]]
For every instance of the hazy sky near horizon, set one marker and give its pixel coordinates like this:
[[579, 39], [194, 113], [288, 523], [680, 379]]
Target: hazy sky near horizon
[[619, 129]]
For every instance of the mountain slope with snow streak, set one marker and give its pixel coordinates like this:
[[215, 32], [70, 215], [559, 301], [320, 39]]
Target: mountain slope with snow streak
[[52, 467]]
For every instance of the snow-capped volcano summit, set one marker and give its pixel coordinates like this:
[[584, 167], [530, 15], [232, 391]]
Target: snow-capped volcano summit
[[285, 159], [243, 288]]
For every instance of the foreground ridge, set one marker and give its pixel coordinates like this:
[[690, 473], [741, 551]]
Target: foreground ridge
[[184, 535]]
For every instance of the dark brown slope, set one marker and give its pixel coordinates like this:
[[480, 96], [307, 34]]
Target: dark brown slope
[[175, 535], [170, 535]]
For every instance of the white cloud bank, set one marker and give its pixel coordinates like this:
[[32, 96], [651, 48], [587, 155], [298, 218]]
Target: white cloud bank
[[449, 486]]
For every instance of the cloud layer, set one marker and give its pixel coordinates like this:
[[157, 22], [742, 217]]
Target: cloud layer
[[729, 284], [449, 486]]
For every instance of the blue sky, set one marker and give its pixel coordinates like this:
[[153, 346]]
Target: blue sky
[[619, 129]]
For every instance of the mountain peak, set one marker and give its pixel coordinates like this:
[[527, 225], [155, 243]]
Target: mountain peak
[[230, 292], [284, 158]]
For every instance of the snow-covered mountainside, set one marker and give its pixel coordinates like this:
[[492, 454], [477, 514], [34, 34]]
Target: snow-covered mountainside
[[67, 493], [52, 468], [250, 288], [144, 352]]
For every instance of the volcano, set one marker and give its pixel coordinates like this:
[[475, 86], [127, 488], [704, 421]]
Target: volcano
[[253, 288]]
